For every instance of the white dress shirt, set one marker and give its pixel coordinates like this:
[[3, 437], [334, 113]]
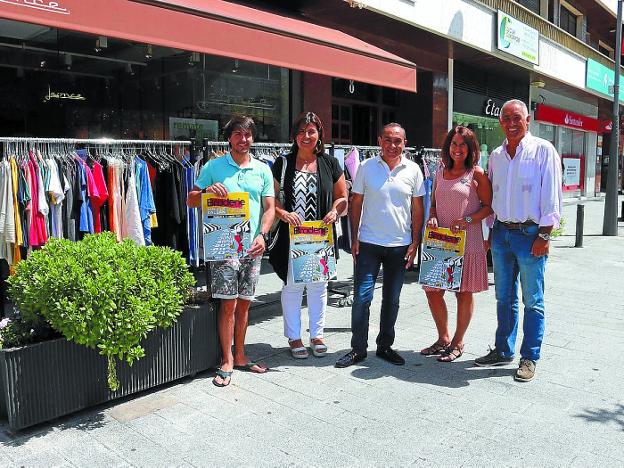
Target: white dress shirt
[[387, 210], [527, 187]]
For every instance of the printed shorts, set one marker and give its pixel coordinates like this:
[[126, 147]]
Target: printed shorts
[[235, 278]]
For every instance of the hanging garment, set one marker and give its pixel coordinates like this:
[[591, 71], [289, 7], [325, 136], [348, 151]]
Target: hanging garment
[[7, 214], [170, 202], [38, 234], [116, 202], [57, 195], [133, 226], [19, 235], [99, 195], [83, 207], [104, 209], [23, 198], [352, 162], [69, 223], [145, 198]]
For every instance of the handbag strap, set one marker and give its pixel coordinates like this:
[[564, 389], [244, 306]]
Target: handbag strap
[[282, 179]]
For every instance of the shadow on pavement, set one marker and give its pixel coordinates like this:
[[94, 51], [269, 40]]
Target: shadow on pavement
[[605, 416], [417, 368], [77, 421]]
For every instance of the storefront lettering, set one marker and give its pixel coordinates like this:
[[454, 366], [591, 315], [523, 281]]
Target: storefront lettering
[[61, 95], [52, 7], [569, 120], [491, 108]]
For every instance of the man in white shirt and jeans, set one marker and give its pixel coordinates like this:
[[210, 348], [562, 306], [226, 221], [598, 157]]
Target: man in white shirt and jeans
[[386, 220], [526, 181]]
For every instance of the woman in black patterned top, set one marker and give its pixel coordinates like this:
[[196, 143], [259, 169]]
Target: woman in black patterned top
[[314, 189]]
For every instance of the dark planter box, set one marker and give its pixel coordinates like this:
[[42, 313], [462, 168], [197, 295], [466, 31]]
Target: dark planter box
[[46, 380]]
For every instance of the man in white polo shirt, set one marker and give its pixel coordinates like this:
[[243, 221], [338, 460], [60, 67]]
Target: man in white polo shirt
[[386, 220]]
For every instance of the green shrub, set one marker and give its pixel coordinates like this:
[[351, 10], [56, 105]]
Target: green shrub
[[102, 294], [559, 231]]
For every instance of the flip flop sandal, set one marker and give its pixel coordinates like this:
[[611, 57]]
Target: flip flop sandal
[[249, 367], [451, 354], [300, 352], [224, 375], [318, 349], [435, 348]]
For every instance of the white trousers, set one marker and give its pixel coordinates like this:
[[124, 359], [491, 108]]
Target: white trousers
[[292, 297]]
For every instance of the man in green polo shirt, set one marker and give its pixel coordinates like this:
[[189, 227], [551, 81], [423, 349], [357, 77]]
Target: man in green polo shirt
[[234, 280]]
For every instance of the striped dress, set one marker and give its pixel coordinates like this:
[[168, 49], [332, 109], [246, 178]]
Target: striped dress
[[455, 199]]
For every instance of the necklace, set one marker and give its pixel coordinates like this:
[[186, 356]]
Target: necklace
[[305, 163]]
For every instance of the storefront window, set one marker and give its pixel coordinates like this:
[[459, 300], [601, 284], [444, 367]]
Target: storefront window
[[547, 132], [488, 132], [58, 83], [572, 141], [573, 159]]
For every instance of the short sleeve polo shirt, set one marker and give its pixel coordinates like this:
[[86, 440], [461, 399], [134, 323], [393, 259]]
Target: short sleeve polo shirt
[[387, 211]]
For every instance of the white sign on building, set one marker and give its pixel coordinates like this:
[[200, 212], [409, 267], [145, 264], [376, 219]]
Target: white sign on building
[[517, 38]]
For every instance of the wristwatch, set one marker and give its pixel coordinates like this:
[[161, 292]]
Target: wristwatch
[[468, 219], [265, 236], [544, 235]]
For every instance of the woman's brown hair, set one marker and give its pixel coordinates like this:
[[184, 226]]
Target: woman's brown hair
[[302, 120], [469, 138]]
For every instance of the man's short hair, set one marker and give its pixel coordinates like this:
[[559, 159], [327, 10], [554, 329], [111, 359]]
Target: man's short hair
[[393, 124], [525, 109], [239, 122]]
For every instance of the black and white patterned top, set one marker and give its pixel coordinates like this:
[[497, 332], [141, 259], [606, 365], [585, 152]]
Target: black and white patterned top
[[305, 195]]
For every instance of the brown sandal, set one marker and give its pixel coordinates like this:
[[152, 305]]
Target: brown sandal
[[449, 355], [435, 348]]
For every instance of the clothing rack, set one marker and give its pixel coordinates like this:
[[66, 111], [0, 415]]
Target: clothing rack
[[93, 141]]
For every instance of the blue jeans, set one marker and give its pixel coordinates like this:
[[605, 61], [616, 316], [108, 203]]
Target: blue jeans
[[369, 260], [513, 264]]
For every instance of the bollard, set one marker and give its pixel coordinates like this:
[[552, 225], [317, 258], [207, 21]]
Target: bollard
[[580, 218]]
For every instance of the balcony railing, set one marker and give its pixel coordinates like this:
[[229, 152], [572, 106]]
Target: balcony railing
[[549, 30]]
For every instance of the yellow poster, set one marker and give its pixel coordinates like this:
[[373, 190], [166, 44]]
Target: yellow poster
[[226, 226], [442, 258], [312, 252]]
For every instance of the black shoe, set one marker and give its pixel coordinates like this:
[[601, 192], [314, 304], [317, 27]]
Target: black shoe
[[390, 355], [350, 358]]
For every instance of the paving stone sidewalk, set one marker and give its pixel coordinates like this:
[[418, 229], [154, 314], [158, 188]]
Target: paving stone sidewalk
[[374, 414]]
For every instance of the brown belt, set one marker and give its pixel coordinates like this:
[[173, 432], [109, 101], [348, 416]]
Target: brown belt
[[518, 225]]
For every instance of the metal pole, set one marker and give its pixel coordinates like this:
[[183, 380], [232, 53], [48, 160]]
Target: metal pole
[[610, 223], [580, 220]]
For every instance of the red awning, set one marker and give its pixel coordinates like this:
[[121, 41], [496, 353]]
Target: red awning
[[217, 27]]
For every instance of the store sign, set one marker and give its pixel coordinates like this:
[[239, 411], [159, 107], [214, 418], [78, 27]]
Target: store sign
[[566, 118], [52, 7], [605, 126], [517, 38], [59, 95], [192, 128], [454, 19], [560, 63], [492, 108], [600, 78]]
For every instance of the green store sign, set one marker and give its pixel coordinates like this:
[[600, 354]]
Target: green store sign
[[600, 78]]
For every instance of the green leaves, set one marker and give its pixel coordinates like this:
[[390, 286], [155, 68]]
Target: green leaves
[[101, 293]]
